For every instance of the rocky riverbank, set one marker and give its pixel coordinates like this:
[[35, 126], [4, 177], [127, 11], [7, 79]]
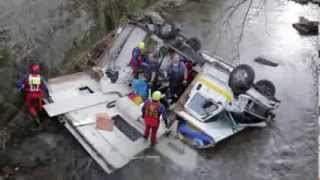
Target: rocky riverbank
[[59, 34], [56, 34], [308, 1]]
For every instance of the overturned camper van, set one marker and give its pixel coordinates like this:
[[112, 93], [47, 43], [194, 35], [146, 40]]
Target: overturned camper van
[[214, 105]]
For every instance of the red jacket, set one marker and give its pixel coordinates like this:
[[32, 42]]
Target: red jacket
[[136, 58], [151, 113]]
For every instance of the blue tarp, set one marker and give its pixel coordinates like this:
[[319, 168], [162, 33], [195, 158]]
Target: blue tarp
[[140, 87], [195, 135]]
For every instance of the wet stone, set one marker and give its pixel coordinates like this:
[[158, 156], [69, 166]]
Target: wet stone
[[307, 1], [265, 61], [155, 17], [302, 1], [19, 178], [306, 26], [7, 170]]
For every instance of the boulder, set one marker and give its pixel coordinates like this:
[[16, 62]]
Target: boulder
[[7, 170], [155, 17], [306, 27], [302, 1], [307, 1]]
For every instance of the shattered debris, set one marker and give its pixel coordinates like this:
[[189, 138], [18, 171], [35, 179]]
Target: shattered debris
[[306, 26]]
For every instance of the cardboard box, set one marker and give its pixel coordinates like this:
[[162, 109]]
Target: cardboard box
[[104, 122]]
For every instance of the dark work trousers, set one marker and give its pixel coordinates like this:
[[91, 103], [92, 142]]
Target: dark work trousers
[[176, 88]]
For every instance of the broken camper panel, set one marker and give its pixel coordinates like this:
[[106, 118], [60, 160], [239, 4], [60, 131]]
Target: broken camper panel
[[202, 111]]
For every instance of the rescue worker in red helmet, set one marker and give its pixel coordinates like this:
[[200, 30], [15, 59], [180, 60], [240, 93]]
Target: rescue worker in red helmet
[[151, 111], [33, 89]]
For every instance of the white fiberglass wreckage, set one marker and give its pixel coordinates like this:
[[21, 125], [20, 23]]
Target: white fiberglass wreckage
[[214, 106]]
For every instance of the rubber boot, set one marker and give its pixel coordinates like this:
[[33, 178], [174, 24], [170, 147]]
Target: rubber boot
[[37, 120]]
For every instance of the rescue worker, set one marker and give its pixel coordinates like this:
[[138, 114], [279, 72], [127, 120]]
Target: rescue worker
[[177, 74], [151, 68], [140, 86], [33, 88], [137, 58], [151, 111], [189, 65]]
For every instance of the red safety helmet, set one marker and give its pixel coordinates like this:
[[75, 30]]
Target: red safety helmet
[[35, 69]]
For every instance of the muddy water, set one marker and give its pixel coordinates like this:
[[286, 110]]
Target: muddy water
[[287, 149]]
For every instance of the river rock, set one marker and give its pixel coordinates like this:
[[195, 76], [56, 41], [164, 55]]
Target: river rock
[[7, 170], [155, 17], [265, 61], [306, 26], [307, 1], [316, 1], [302, 1]]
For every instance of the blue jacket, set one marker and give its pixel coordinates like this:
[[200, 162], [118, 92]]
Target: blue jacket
[[149, 68], [140, 87], [176, 72]]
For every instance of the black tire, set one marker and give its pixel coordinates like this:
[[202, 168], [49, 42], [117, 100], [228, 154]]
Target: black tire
[[241, 79], [266, 88], [168, 31]]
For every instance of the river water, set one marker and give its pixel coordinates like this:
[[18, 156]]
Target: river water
[[287, 149]]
